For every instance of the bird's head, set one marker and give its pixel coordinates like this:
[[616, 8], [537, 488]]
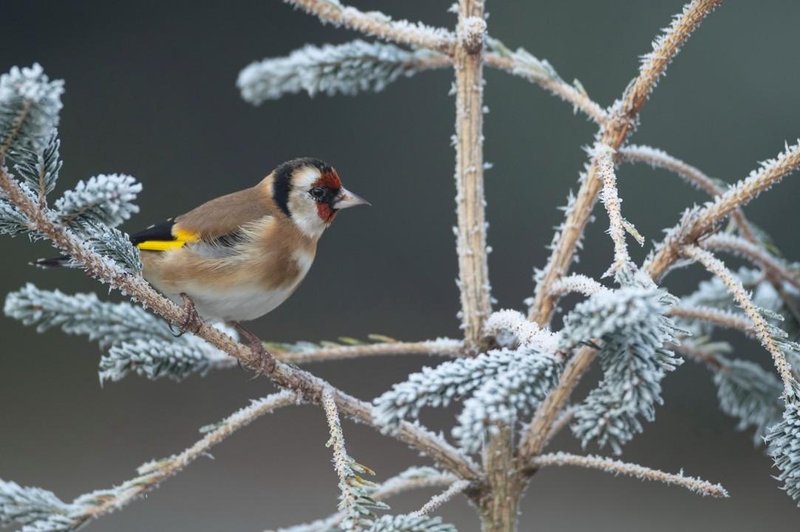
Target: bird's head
[[310, 193]]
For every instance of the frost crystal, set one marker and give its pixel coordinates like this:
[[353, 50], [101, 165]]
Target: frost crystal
[[29, 107], [104, 199], [330, 69], [634, 332]]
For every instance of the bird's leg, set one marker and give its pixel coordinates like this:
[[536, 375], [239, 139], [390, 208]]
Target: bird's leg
[[257, 347], [191, 321]]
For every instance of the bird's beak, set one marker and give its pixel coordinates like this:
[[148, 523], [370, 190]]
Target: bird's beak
[[347, 199]]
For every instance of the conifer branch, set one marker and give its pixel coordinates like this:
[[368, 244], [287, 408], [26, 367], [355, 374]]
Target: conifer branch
[[765, 333], [577, 283], [617, 467], [759, 256], [603, 159], [698, 223], [720, 318], [614, 132]]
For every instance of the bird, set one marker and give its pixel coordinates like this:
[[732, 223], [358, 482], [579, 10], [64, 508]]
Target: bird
[[239, 256]]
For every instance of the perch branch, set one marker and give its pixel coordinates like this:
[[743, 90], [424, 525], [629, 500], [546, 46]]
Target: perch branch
[[617, 467], [614, 133], [760, 326], [308, 386]]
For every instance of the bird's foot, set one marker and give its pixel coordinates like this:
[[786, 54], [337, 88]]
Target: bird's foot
[[266, 360], [191, 321]]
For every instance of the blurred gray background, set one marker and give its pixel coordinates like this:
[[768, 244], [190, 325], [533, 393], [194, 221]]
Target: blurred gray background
[[150, 92]]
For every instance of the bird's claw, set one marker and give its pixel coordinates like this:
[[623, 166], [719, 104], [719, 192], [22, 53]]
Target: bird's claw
[[266, 360], [191, 321]]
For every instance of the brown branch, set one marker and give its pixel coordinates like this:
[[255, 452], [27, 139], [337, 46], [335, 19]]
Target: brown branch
[[378, 25], [308, 386], [720, 318], [756, 254], [617, 467], [471, 244], [699, 224], [761, 328], [614, 133], [447, 348]]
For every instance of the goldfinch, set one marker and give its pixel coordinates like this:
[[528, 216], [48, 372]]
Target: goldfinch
[[239, 256]]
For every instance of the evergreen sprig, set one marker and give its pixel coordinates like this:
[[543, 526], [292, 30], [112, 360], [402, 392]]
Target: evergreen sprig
[[783, 444], [410, 523], [331, 69], [36, 509], [106, 199], [634, 331], [29, 109]]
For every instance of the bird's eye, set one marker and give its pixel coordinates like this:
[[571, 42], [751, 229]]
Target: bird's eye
[[317, 193]]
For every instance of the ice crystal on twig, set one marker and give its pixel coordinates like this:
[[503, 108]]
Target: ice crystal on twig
[[106, 199]]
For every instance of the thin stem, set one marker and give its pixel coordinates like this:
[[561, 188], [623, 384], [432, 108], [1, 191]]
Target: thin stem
[[698, 224], [577, 283], [378, 25], [439, 499], [556, 86], [614, 133], [443, 347], [760, 326], [604, 160], [307, 385], [617, 467], [720, 318], [756, 254], [471, 244], [151, 475]]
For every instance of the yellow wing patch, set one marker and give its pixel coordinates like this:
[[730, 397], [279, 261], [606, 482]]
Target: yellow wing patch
[[180, 238]]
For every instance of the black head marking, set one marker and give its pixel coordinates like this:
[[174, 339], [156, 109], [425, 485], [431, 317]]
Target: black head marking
[[283, 179]]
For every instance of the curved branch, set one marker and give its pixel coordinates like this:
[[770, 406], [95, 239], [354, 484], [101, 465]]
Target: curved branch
[[617, 467], [756, 254]]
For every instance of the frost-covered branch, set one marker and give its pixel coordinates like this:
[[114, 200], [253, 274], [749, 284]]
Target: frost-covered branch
[[577, 283], [539, 71], [471, 244], [720, 318], [439, 499], [306, 352], [613, 133], [770, 337], [346, 69], [756, 254], [378, 25], [603, 159], [355, 498], [697, 223], [617, 467], [39, 509]]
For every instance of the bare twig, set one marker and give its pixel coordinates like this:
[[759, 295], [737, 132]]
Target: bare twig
[[439, 499], [378, 25], [617, 467], [471, 245], [442, 347], [715, 316], [604, 161], [760, 326], [152, 474], [699, 224], [556, 86], [756, 254], [614, 132], [307, 385]]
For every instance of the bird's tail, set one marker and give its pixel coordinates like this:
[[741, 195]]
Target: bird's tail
[[61, 261]]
